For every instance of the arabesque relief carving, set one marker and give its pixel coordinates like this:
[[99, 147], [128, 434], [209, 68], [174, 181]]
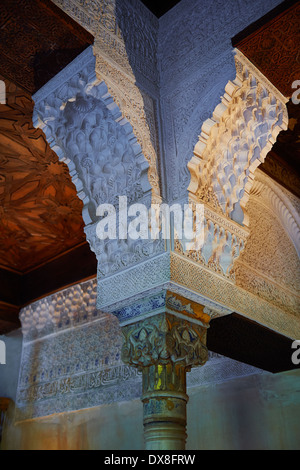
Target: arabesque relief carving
[[125, 46], [162, 339], [237, 139], [224, 240], [87, 130]]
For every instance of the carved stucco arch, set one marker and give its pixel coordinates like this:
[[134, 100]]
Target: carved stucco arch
[[269, 265], [74, 106], [273, 197], [88, 132], [237, 138]]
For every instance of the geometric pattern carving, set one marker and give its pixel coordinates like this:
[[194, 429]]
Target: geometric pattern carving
[[86, 129], [227, 190], [141, 116], [69, 308], [196, 278], [196, 61], [78, 368], [71, 357], [37, 41], [237, 139], [125, 50]]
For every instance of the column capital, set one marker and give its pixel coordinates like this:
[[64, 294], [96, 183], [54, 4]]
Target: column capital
[[165, 338]]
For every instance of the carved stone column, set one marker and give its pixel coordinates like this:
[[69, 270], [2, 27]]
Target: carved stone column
[[165, 347]]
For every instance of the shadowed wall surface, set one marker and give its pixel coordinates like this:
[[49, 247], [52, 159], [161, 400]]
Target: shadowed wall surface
[[254, 412]]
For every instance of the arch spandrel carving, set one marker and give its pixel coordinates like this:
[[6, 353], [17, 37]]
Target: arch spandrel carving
[[237, 138], [124, 48]]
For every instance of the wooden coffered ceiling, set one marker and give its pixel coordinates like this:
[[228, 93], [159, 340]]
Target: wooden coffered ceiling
[[283, 161], [40, 213], [42, 242], [37, 41], [41, 226]]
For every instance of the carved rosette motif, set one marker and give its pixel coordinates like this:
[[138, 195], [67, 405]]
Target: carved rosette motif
[[237, 138]]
